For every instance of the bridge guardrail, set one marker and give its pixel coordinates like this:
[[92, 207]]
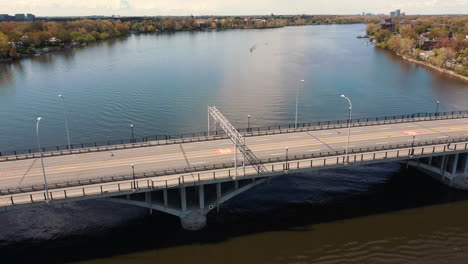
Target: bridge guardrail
[[265, 162], [115, 189], [151, 141]]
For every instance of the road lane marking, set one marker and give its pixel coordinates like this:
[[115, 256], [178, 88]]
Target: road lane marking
[[203, 156], [381, 143], [198, 151], [255, 145]]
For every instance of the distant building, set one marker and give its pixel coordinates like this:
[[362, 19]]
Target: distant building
[[30, 17], [17, 17], [20, 17], [6, 17], [396, 13], [387, 24]]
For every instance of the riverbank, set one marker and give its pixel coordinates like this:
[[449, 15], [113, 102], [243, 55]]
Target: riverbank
[[431, 66], [29, 39]]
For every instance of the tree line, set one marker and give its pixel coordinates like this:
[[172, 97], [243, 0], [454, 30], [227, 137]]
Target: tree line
[[439, 40], [26, 38]]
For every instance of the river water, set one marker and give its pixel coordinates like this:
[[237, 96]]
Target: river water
[[163, 85]]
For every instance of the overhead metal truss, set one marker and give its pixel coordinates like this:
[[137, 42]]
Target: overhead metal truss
[[236, 138]]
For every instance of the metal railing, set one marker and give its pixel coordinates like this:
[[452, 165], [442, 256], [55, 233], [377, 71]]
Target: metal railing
[[264, 163], [141, 185], [151, 141]]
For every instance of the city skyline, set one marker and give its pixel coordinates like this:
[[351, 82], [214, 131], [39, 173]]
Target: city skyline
[[237, 7]]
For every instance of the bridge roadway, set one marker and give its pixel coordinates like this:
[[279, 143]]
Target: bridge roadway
[[23, 173]]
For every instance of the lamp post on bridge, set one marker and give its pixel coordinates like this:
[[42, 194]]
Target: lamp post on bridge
[[42, 160], [287, 150], [66, 120], [133, 138], [412, 146], [248, 123], [297, 101], [349, 125], [437, 108]]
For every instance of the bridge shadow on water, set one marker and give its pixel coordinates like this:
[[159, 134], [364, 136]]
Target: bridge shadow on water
[[97, 229]]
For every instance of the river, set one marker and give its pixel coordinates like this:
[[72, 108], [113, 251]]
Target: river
[[163, 84]]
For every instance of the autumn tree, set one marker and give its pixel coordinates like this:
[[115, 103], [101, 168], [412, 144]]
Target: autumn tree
[[4, 46], [372, 28]]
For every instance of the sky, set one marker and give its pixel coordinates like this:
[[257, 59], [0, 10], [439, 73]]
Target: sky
[[227, 7]]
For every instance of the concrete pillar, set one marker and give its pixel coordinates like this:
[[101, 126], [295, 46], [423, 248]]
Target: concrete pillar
[[455, 164], [194, 220], [218, 191], [442, 164], [165, 198], [201, 196], [466, 164], [149, 201], [183, 199]]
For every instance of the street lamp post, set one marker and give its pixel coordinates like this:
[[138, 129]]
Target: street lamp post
[[437, 108], [133, 138], [297, 102], [287, 150], [42, 160], [412, 146], [349, 125], [133, 174], [66, 120], [248, 123]]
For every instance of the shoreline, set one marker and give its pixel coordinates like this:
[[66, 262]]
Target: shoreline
[[429, 65], [51, 49]]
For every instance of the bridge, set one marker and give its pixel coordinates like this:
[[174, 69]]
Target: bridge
[[192, 175]]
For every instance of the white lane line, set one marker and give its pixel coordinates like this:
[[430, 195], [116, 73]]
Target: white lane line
[[295, 137], [442, 137], [313, 150], [196, 163], [278, 154], [381, 143], [326, 134], [265, 139], [384, 128], [357, 130]]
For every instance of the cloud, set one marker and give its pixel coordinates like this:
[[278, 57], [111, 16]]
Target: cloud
[[232, 7]]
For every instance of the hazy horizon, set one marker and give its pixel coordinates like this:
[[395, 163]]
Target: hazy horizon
[[56, 8]]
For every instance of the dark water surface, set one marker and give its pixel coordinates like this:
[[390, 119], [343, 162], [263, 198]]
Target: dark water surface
[[163, 84]]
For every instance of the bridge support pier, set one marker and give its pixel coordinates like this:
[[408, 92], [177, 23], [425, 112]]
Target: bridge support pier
[[194, 220], [451, 169], [191, 203]]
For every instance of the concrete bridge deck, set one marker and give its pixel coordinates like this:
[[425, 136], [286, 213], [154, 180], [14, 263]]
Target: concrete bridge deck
[[97, 165], [189, 179]]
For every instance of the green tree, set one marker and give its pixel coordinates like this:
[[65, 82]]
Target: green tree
[[407, 31], [372, 29], [382, 35], [4, 46]]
